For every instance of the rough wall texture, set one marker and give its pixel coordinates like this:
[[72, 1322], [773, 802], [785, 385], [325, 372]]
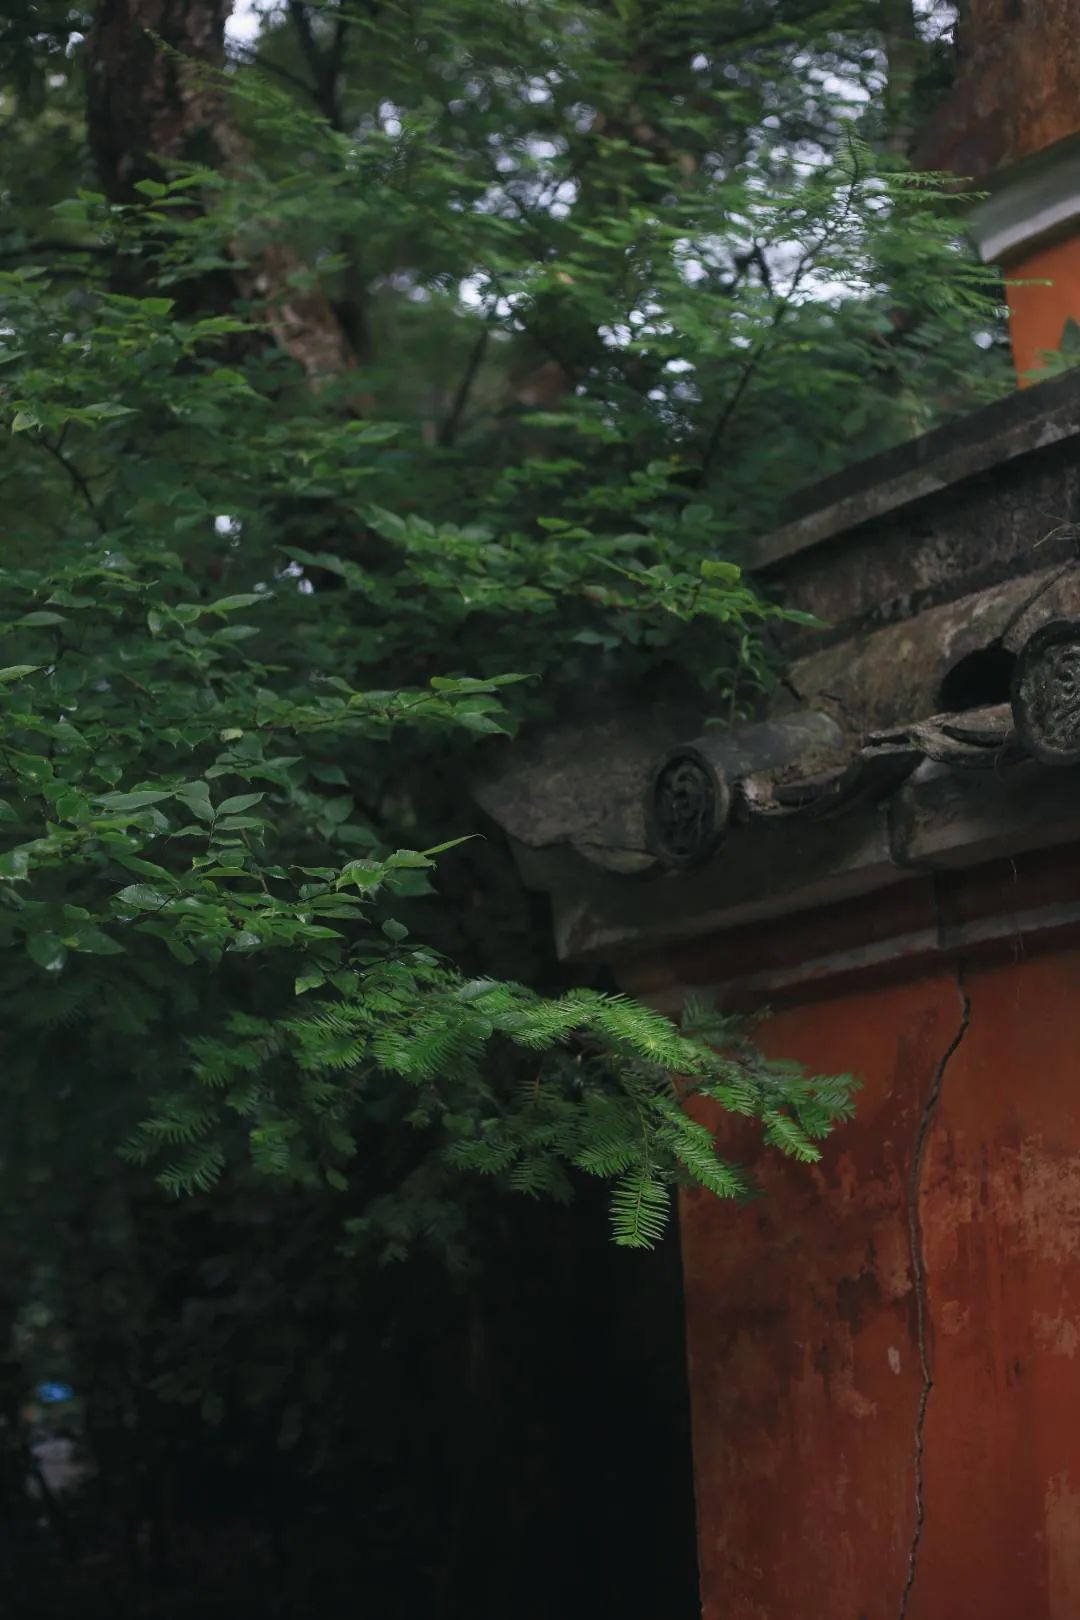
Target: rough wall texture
[[1000, 1201], [988, 529], [883, 1354]]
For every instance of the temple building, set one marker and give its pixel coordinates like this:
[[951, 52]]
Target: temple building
[[884, 1351]]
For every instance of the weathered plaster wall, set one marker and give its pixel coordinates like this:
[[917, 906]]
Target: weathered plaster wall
[[1000, 1200], [884, 1353]]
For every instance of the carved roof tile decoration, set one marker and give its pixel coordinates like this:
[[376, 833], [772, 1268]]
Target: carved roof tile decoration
[[1046, 693], [934, 728]]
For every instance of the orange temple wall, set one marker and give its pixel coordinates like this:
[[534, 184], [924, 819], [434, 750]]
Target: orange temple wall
[[1043, 294], [878, 1436]]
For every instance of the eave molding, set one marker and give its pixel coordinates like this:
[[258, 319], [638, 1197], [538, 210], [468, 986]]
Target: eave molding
[[1030, 206]]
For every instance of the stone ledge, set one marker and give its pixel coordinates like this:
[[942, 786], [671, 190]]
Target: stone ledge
[[1015, 426], [940, 821]]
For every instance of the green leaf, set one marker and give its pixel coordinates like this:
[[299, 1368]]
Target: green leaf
[[14, 865], [17, 672], [142, 897], [451, 843], [476, 988], [1070, 337], [363, 875], [107, 411], [639, 1210], [482, 723], [135, 863], [95, 941], [337, 809], [240, 801], [33, 768], [139, 800], [724, 573], [331, 774], [235, 632], [48, 951], [394, 930], [40, 618], [195, 796], [231, 604]]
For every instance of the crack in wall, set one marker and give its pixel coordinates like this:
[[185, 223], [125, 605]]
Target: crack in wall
[[918, 1271]]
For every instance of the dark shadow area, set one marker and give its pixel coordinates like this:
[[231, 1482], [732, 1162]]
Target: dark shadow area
[[511, 1440], [982, 678]]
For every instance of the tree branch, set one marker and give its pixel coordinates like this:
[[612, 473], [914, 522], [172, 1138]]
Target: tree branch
[[449, 429], [249, 55], [782, 308], [324, 66], [77, 478]]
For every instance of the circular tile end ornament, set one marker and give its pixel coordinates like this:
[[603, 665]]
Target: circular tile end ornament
[[688, 806], [1046, 693]]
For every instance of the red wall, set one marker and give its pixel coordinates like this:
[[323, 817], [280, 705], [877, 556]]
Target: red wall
[[807, 1376], [1038, 312]]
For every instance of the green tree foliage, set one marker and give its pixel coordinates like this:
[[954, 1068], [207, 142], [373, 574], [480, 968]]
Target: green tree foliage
[[203, 890], [606, 282]]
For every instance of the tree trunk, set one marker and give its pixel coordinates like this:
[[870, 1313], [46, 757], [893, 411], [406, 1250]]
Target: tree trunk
[[155, 96], [147, 101], [903, 56]]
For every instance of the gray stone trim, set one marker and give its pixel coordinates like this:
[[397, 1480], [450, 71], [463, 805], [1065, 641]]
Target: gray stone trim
[[1018, 426], [1029, 206], [941, 820]]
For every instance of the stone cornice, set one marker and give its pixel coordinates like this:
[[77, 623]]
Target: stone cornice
[[898, 747], [1029, 206]]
